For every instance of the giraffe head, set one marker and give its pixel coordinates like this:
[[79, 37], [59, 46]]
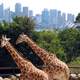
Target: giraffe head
[[4, 40], [21, 38]]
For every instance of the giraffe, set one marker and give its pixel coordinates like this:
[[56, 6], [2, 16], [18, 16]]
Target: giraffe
[[28, 70], [55, 68]]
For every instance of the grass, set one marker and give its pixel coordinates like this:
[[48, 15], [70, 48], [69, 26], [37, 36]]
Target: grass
[[75, 62], [75, 65]]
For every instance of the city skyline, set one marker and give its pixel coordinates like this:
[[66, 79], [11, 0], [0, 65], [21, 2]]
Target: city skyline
[[66, 6], [47, 18]]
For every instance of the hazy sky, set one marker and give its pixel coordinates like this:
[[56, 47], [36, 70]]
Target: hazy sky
[[68, 6]]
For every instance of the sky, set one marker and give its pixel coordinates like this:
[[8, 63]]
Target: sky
[[67, 6]]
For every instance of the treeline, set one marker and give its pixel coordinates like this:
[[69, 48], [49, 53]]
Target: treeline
[[64, 43], [12, 30]]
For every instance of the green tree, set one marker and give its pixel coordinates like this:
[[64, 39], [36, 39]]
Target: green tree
[[23, 24], [78, 18], [12, 30], [70, 42], [50, 41]]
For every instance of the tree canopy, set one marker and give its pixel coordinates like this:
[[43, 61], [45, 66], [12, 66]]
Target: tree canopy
[[64, 43], [78, 18], [70, 40], [50, 41], [17, 26], [12, 30]]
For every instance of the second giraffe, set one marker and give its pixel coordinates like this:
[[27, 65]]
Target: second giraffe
[[55, 68]]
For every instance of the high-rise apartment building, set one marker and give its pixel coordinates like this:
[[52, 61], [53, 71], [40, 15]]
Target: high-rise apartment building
[[63, 19], [30, 13], [37, 19], [53, 18], [45, 18], [1, 12], [59, 19], [7, 15], [25, 11], [18, 9], [70, 17]]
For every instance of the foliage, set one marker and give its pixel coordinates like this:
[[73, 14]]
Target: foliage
[[65, 43], [23, 24], [76, 61], [12, 30], [17, 26], [70, 40], [78, 18], [50, 41]]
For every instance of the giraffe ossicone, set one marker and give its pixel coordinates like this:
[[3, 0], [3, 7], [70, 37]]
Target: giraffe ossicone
[[4, 40]]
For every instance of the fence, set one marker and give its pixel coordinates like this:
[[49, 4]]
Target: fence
[[13, 70], [75, 69]]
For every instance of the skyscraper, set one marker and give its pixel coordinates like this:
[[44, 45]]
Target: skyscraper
[[70, 18], [1, 12], [12, 15], [30, 13], [37, 20], [7, 15], [25, 11], [53, 18], [45, 18], [63, 19], [59, 19], [18, 9]]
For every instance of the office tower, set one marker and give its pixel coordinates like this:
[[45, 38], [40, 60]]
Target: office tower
[[53, 18], [1, 12], [59, 19], [7, 15], [70, 18], [30, 13], [37, 19], [18, 9], [25, 11], [45, 18], [12, 15], [63, 19]]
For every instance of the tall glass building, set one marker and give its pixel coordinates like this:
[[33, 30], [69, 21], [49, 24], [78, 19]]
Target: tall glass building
[[70, 17], [1, 12], [25, 11], [17, 9], [53, 18], [45, 18]]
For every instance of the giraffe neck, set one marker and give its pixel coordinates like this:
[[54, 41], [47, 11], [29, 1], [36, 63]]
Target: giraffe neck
[[39, 51], [14, 53]]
